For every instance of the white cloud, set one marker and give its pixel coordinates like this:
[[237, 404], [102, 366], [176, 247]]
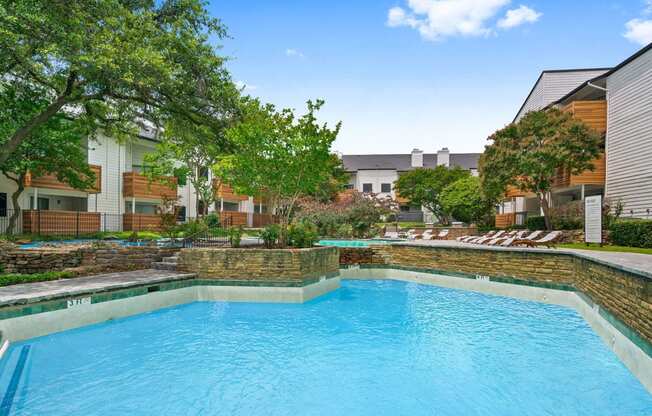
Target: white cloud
[[244, 86], [639, 31], [293, 52], [437, 19], [517, 17]]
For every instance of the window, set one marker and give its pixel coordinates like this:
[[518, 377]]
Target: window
[[231, 206], [348, 186], [258, 209], [181, 214], [43, 203], [385, 188], [3, 204], [367, 188]]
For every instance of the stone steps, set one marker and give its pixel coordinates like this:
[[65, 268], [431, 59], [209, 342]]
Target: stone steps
[[167, 263]]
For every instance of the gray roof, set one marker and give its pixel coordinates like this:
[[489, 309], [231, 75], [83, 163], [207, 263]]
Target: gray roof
[[403, 162]]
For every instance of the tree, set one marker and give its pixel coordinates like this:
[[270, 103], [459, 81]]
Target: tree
[[423, 186], [110, 63], [335, 184], [280, 155], [188, 151], [464, 200], [529, 153], [55, 147]]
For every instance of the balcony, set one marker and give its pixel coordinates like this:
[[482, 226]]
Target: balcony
[[565, 179], [62, 223], [224, 191], [505, 220], [51, 182], [593, 113], [141, 222], [136, 185]]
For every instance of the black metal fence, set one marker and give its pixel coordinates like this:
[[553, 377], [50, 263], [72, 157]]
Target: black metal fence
[[410, 216]]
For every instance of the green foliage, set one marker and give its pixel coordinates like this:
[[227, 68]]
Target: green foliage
[[528, 154], [212, 220], [464, 200], [107, 63], [279, 154], [270, 235], [235, 236], [14, 279], [336, 182], [302, 235], [536, 223], [424, 187], [631, 233]]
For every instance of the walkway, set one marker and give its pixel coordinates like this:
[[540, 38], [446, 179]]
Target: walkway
[[40, 291], [635, 262]]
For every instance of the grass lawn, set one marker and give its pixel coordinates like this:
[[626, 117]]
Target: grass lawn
[[16, 278], [406, 224], [596, 247]]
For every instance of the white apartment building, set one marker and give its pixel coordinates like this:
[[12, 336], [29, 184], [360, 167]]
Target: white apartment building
[[123, 198], [377, 173]]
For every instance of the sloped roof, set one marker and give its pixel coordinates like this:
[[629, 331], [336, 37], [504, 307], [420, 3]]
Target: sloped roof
[[403, 162]]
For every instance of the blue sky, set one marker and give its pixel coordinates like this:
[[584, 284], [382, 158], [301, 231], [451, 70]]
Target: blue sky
[[428, 74]]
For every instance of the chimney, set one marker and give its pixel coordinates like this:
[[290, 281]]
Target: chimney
[[417, 158], [444, 157]]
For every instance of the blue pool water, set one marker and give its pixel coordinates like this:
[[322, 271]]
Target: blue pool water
[[125, 243], [370, 348], [351, 243]]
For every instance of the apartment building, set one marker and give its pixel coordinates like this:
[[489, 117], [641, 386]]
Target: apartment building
[[122, 198], [377, 174], [616, 102]]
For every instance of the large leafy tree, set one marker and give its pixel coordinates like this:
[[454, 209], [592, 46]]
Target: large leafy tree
[[55, 147], [110, 63], [279, 154], [465, 201], [424, 186], [529, 153]]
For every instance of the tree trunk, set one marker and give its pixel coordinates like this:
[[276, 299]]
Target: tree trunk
[[546, 211], [17, 211]]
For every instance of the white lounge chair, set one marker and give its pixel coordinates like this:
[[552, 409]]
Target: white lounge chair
[[412, 234], [512, 235], [481, 240], [427, 235], [509, 241], [548, 240], [391, 235], [442, 234]]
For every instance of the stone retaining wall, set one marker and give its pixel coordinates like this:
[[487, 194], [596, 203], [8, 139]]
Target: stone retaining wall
[[626, 295], [84, 259], [259, 263]]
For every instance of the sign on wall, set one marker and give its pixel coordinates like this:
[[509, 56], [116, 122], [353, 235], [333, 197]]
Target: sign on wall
[[593, 219]]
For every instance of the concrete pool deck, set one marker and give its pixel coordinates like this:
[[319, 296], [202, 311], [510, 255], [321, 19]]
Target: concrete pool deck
[[634, 262]]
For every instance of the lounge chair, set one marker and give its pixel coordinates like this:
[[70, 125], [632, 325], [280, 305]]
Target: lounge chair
[[481, 240], [468, 238], [510, 241], [548, 240], [412, 234], [514, 235], [427, 235], [442, 234], [391, 235]]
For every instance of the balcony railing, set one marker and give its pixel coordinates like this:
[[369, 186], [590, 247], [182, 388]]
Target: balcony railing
[[51, 181], [226, 192], [136, 185], [61, 223], [141, 222]]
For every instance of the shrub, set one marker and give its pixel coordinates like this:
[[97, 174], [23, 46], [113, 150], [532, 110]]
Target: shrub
[[632, 233], [270, 235], [191, 227], [13, 279], [235, 236], [212, 220], [302, 235], [536, 223]]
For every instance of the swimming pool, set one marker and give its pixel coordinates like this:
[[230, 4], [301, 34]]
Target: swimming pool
[[352, 243], [369, 348]]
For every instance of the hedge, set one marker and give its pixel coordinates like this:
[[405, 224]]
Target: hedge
[[631, 233], [536, 223], [15, 278]]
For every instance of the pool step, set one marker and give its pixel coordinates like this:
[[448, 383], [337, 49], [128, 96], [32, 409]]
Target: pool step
[[167, 263]]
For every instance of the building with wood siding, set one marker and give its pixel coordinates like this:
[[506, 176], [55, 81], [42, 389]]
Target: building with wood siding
[[616, 102]]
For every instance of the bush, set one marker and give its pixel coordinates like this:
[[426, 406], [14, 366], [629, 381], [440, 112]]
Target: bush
[[212, 220], [13, 279], [632, 233], [235, 236], [536, 223], [302, 235], [270, 235]]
